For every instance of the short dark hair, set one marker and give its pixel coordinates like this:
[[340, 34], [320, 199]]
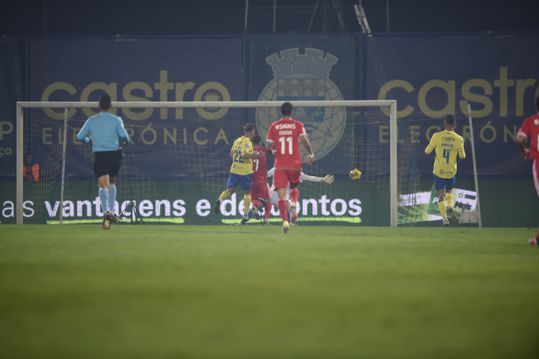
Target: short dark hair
[[286, 109], [537, 102], [450, 119], [105, 103], [248, 127], [256, 140]]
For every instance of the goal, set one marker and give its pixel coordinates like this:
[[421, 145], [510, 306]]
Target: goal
[[168, 170]]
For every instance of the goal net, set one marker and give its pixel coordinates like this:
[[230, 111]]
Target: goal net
[[175, 169]]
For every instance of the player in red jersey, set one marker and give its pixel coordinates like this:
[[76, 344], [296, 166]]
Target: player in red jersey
[[529, 132], [260, 188], [284, 137]]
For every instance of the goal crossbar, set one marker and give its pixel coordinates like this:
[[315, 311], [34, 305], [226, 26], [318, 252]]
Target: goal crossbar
[[390, 104]]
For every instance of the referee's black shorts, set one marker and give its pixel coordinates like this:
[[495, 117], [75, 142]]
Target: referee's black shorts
[[107, 163]]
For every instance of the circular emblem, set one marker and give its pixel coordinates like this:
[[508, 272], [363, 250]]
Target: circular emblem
[[305, 77]]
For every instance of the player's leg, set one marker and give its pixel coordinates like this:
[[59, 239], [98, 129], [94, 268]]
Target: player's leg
[[294, 196], [442, 206], [449, 199], [231, 183], [103, 184], [114, 168], [280, 180], [283, 208], [246, 184], [112, 198], [439, 184], [256, 204], [274, 198], [112, 193], [101, 172], [534, 242], [295, 178], [267, 203]]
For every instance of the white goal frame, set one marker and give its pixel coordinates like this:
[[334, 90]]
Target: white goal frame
[[389, 104]]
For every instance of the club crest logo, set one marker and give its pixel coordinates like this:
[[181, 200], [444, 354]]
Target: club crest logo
[[305, 77]]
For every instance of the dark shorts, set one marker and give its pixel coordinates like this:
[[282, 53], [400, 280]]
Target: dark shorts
[[444, 183], [244, 181], [107, 163]]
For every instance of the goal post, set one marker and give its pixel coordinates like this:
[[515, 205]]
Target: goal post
[[390, 106]]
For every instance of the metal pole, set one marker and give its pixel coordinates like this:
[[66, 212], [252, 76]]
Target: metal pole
[[313, 16], [208, 104], [393, 174], [19, 186], [246, 16], [388, 27], [274, 15], [474, 163], [62, 183]]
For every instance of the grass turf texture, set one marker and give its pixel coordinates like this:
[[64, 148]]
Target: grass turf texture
[[251, 292]]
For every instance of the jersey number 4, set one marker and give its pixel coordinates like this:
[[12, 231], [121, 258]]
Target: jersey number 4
[[284, 141], [446, 155]]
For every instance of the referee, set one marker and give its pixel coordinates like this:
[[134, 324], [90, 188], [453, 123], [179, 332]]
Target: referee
[[104, 131]]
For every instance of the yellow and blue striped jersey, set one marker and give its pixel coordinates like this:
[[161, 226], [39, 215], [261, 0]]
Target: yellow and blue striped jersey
[[447, 144], [240, 165]]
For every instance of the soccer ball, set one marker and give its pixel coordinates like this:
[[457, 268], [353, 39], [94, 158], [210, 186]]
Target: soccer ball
[[354, 174]]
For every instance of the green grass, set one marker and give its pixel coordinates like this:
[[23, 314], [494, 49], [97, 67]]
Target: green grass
[[251, 292]]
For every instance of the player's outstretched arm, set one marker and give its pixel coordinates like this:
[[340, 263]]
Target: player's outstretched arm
[[328, 179], [309, 178]]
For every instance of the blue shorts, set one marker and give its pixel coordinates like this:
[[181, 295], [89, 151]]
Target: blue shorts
[[444, 183], [244, 181]]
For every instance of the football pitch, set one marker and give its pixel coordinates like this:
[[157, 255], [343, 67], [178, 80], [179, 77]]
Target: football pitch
[[164, 291]]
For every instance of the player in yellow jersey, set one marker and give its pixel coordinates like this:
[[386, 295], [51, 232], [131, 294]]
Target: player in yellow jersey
[[448, 144], [241, 171]]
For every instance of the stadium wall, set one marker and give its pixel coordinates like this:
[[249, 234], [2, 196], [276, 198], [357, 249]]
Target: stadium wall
[[429, 75]]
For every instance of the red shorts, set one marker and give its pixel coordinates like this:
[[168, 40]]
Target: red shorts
[[260, 190], [282, 177], [535, 170]]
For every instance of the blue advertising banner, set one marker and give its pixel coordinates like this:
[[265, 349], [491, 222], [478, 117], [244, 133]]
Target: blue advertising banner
[[187, 69], [306, 68], [10, 93], [431, 76]]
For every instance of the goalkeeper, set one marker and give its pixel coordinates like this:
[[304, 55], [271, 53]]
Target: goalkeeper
[[104, 131]]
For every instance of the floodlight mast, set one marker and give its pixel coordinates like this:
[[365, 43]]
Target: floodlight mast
[[362, 18]]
